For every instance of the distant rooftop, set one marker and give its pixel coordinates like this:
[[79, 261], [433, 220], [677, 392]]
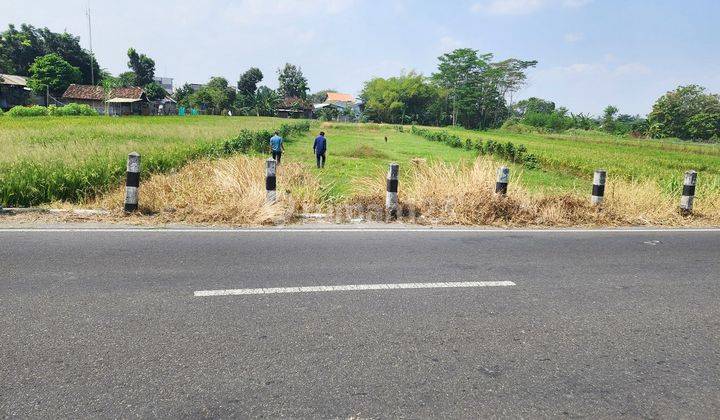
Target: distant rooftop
[[88, 92], [13, 80], [339, 97]]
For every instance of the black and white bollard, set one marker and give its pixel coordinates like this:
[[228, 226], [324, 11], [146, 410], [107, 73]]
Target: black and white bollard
[[391, 197], [270, 181], [598, 190], [503, 177], [688, 193], [132, 182]]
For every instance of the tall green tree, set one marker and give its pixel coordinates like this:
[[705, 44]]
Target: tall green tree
[[142, 65], [404, 99], [512, 75], [292, 82], [247, 86], [687, 112], [20, 47], [52, 72], [475, 87], [608, 118]]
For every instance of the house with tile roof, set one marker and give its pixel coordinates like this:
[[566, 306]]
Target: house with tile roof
[[339, 107], [116, 101]]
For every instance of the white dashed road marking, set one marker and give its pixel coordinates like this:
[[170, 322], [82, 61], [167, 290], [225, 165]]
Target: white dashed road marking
[[350, 287]]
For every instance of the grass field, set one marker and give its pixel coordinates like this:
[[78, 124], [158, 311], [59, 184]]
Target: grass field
[[567, 161], [68, 158], [644, 176], [575, 156]]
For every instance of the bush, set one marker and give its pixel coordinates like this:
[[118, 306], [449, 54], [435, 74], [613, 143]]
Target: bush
[[53, 111], [507, 151], [257, 141], [1, 112], [72, 110], [24, 111]]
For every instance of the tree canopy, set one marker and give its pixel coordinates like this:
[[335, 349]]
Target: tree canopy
[[143, 67], [688, 112], [403, 99], [53, 73], [20, 48], [477, 87], [292, 82]]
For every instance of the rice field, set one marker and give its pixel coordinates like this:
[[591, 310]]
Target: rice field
[[440, 182], [46, 159]]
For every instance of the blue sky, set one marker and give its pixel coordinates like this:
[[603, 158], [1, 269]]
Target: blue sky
[[591, 53]]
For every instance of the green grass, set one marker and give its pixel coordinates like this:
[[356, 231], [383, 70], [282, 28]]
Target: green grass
[[45, 159], [69, 158], [579, 154], [357, 151]]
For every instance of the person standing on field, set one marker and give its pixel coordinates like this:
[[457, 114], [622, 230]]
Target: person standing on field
[[320, 147], [276, 144]]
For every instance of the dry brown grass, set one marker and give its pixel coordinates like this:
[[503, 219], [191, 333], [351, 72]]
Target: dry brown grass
[[232, 192], [441, 193], [226, 191]]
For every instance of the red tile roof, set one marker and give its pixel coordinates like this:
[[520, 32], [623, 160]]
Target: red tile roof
[[339, 97], [97, 93]]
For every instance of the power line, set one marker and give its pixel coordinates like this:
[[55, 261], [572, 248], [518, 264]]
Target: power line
[[92, 55]]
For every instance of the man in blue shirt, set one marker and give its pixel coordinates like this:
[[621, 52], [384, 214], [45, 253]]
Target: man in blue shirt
[[276, 144], [320, 147]]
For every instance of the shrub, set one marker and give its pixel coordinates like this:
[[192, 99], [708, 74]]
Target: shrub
[[24, 111], [72, 109], [507, 151], [1, 112], [78, 109]]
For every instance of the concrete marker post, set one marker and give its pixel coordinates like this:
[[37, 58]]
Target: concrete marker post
[[503, 177], [391, 195], [688, 192], [132, 182], [598, 189], [270, 181]]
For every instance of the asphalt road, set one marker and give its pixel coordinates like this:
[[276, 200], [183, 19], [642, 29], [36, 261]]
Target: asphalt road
[[599, 324]]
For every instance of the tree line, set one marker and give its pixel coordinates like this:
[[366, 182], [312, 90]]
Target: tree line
[[471, 90], [468, 89]]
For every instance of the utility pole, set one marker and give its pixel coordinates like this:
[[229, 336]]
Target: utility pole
[[92, 56]]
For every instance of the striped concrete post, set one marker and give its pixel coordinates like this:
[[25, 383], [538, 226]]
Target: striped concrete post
[[598, 190], [688, 192], [503, 177], [391, 196], [132, 182], [270, 181]]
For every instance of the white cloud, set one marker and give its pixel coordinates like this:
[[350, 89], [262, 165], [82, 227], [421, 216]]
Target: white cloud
[[604, 69], [632, 69], [581, 68], [247, 11], [507, 7], [448, 43], [573, 37], [522, 7]]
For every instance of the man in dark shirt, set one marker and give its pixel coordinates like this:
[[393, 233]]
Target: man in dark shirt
[[320, 147]]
